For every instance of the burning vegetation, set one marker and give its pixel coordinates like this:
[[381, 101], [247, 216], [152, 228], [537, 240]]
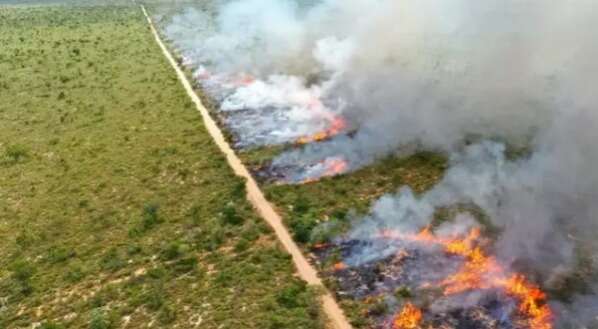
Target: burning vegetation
[[459, 271], [471, 81], [409, 317]]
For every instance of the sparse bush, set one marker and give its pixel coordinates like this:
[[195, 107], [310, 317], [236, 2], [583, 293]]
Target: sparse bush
[[195, 215], [150, 217], [133, 249], [25, 239], [22, 271], [230, 215], [290, 297], [74, 274], [166, 315], [171, 251], [16, 153], [51, 325], [99, 320], [239, 189], [379, 308], [185, 265], [60, 254], [251, 233], [325, 232], [302, 228], [301, 206], [156, 273], [403, 292], [241, 245], [154, 299], [112, 261], [214, 240]]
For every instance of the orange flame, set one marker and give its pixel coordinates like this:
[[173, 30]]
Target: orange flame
[[317, 137], [340, 266], [337, 125], [533, 301], [335, 167], [481, 271], [332, 167], [409, 318]]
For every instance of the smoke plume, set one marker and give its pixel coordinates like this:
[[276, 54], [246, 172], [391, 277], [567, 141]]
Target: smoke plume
[[462, 77]]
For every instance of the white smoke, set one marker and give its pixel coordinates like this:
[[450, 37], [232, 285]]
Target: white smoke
[[435, 74]]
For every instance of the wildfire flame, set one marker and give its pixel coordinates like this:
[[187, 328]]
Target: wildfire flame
[[335, 166], [409, 318], [481, 271], [337, 125], [532, 301], [328, 167], [340, 266]]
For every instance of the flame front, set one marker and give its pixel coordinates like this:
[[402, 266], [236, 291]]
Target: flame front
[[335, 166], [533, 301], [481, 272], [326, 168], [337, 125], [409, 318]]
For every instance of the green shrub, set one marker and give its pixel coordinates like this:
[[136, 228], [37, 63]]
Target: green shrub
[[112, 261], [230, 215], [60, 254], [185, 265], [16, 153], [171, 251], [150, 216], [22, 271], [302, 228], [291, 297], [167, 315], [241, 245], [98, 320], [403, 292], [51, 325], [195, 214], [74, 274], [214, 240], [379, 308], [301, 206], [154, 298], [239, 190], [325, 232], [156, 273]]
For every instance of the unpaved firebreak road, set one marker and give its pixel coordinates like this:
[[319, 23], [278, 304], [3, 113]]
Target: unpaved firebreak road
[[255, 195]]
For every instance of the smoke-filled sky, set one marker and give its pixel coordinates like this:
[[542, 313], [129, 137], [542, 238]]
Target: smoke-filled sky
[[437, 74]]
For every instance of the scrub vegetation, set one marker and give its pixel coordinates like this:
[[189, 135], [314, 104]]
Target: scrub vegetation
[[116, 209]]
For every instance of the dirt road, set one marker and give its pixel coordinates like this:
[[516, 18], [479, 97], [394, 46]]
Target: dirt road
[[255, 195]]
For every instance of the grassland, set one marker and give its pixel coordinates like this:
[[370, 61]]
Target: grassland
[[116, 209]]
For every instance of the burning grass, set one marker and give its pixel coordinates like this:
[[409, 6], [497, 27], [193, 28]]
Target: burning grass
[[434, 281], [117, 209], [468, 286]]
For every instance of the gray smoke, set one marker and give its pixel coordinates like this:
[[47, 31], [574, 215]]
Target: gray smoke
[[434, 75]]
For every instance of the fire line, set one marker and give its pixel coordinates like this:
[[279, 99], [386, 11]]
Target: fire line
[[481, 272]]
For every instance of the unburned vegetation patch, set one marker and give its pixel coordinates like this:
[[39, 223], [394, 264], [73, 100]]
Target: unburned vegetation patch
[[117, 208]]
